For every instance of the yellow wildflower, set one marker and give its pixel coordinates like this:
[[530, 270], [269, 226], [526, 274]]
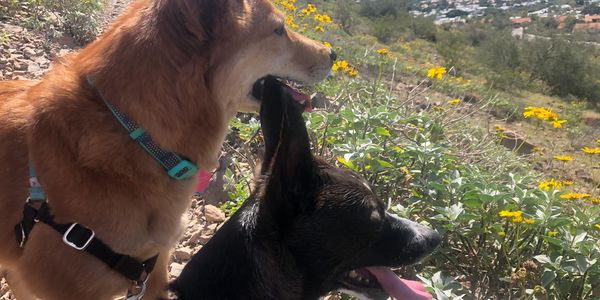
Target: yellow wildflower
[[598, 141], [436, 72], [552, 184], [502, 234], [528, 221], [287, 4], [323, 18], [543, 114], [352, 72], [596, 201], [597, 226], [568, 182], [558, 123], [510, 214], [518, 219], [575, 196], [563, 157], [343, 66], [383, 51], [552, 233], [319, 29], [589, 150], [328, 45], [311, 8], [540, 113], [454, 101], [340, 65], [289, 19]]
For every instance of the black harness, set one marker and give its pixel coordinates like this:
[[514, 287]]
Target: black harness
[[83, 239]]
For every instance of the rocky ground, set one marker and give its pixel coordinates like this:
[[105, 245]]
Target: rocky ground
[[28, 54]]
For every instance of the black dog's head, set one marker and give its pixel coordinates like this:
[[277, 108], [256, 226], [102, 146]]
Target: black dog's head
[[335, 228]]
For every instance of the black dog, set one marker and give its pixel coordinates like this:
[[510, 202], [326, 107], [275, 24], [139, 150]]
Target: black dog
[[310, 228]]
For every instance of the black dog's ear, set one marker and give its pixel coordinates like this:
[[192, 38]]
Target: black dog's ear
[[289, 165]]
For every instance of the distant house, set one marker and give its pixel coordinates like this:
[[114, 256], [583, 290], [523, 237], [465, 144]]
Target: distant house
[[592, 19], [521, 21], [590, 24], [589, 27]]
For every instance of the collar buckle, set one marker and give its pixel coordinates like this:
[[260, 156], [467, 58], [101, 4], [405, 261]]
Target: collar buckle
[[185, 169]]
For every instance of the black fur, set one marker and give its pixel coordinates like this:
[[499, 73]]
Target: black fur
[[305, 227]]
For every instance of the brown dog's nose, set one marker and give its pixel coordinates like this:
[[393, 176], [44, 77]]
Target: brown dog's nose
[[333, 55]]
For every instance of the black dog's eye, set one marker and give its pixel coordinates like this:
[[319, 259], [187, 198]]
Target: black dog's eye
[[280, 30]]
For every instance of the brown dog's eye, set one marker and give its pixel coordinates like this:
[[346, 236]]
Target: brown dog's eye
[[280, 30]]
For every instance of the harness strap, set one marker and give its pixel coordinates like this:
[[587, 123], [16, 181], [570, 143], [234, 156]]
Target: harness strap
[[36, 193], [177, 167], [82, 238]]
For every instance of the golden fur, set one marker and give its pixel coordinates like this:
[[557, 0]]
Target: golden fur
[[181, 69]]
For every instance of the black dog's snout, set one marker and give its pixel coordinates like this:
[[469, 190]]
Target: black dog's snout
[[333, 55], [432, 238]]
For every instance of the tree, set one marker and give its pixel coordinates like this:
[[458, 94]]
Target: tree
[[456, 13], [592, 9], [568, 68]]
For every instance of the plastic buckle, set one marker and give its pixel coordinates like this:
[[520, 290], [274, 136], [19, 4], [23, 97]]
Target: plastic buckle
[[185, 167], [76, 228]]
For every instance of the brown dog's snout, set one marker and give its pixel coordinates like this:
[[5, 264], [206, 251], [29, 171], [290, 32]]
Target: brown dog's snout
[[333, 56]]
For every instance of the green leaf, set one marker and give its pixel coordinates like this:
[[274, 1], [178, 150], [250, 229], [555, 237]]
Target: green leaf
[[579, 238], [553, 241], [548, 277], [473, 202], [543, 259], [382, 131], [384, 163]]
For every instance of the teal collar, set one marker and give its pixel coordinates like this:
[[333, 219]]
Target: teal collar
[[177, 167]]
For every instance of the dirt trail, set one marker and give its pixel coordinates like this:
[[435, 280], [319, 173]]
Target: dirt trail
[[28, 54]]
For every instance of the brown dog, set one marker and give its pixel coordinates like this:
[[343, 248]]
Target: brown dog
[[181, 69]]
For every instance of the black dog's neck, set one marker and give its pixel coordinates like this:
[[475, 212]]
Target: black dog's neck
[[239, 264]]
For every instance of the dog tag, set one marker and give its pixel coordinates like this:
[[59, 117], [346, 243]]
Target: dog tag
[[137, 291]]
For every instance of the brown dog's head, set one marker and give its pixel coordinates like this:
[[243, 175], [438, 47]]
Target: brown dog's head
[[248, 40]]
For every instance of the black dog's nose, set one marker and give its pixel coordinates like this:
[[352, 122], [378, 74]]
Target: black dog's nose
[[333, 55]]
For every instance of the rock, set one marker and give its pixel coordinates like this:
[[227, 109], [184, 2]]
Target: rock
[[34, 69], [183, 253], [213, 214], [585, 176], [195, 237], [63, 52], [203, 239], [176, 269], [28, 53], [514, 141]]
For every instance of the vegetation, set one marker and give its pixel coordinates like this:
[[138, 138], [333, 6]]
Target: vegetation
[[514, 226], [78, 18]]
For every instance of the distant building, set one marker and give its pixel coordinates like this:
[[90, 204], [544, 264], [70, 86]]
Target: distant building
[[588, 27], [592, 19], [521, 21]]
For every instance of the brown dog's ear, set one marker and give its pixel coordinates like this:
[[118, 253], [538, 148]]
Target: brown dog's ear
[[204, 17], [292, 178]]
